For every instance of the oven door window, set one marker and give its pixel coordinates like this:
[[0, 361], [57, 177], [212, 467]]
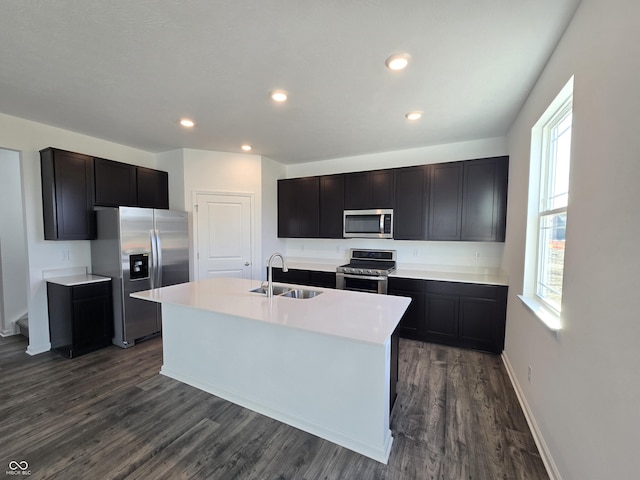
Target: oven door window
[[361, 284]]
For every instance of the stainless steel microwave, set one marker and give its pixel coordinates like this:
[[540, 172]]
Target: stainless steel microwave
[[368, 223]]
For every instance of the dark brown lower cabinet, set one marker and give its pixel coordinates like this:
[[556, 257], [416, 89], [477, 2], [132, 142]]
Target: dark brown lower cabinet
[[393, 377], [465, 315], [458, 314], [452, 313], [412, 323], [80, 317], [312, 278]]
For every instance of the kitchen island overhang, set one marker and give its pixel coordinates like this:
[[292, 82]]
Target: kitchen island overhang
[[320, 364]]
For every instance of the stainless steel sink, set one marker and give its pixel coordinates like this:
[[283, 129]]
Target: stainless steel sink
[[300, 293], [289, 292], [277, 290]]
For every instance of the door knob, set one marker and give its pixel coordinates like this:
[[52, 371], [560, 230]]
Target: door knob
[[246, 264]]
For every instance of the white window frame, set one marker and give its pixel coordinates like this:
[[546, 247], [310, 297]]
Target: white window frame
[[538, 208]]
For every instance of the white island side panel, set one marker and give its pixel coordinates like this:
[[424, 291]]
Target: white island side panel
[[330, 386]]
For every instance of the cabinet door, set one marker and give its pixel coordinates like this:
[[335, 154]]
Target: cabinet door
[[381, 189], [410, 211], [297, 277], [115, 183], [309, 207], [484, 199], [356, 191], [287, 209], [445, 201], [92, 316], [322, 279], [412, 324], [298, 208], [476, 323], [331, 205], [153, 188], [441, 314], [92, 324], [67, 195], [367, 190]]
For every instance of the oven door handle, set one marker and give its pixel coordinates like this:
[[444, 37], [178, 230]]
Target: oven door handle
[[378, 278]]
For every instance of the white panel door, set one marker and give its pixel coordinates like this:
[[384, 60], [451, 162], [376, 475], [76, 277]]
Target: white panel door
[[223, 235]]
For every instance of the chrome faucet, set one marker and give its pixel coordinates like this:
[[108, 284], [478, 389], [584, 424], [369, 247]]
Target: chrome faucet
[[270, 272]]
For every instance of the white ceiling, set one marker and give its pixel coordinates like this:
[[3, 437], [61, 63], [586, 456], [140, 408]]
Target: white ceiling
[[127, 71]]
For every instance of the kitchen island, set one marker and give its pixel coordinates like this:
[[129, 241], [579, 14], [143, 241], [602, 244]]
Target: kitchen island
[[320, 364]]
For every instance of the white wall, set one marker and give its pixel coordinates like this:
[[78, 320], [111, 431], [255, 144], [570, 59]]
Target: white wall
[[271, 172], [207, 171], [477, 257], [173, 163], [584, 394], [29, 138], [13, 251]]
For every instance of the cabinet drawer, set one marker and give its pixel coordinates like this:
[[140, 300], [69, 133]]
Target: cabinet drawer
[[91, 290], [406, 284], [492, 292]]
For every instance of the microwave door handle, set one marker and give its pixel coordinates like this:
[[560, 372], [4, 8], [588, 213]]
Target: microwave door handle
[[382, 223]]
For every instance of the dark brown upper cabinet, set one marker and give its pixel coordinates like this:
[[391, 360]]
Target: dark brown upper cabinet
[[153, 188], [445, 201], [73, 183], [411, 203], [467, 200], [121, 184], [299, 207], [484, 194], [464, 200], [67, 195], [115, 183], [368, 190], [331, 205]]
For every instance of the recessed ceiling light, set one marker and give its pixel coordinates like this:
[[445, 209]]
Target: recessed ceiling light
[[246, 148], [413, 115], [397, 61], [279, 95], [185, 122]]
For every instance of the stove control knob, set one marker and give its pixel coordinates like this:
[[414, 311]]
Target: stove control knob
[[369, 272]]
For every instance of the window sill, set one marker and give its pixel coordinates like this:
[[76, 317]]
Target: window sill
[[548, 318]]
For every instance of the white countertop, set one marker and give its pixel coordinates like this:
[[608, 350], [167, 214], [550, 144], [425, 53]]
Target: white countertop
[[440, 273], [82, 279], [358, 316]]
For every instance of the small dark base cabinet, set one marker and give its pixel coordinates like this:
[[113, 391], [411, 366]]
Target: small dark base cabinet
[[80, 317], [457, 314]]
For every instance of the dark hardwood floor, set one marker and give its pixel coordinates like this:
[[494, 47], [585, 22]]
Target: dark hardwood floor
[[109, 414]]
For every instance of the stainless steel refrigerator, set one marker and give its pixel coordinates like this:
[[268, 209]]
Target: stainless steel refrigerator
[[140, 249]]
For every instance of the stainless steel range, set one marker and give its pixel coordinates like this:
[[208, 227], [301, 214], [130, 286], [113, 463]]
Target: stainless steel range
[[367, 271]]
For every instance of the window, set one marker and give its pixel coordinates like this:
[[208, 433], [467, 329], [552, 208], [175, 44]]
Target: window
[[548, 201], [552, 216]]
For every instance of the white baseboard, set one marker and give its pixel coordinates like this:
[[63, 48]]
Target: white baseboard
[[8, 332], [545, 454]]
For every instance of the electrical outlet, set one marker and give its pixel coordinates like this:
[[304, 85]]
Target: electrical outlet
[[477, 254], [416, 252], [529, 373], [65, 255]]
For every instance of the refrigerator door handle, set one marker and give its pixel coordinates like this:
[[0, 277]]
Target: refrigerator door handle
[[154, 258], [158, 258]]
